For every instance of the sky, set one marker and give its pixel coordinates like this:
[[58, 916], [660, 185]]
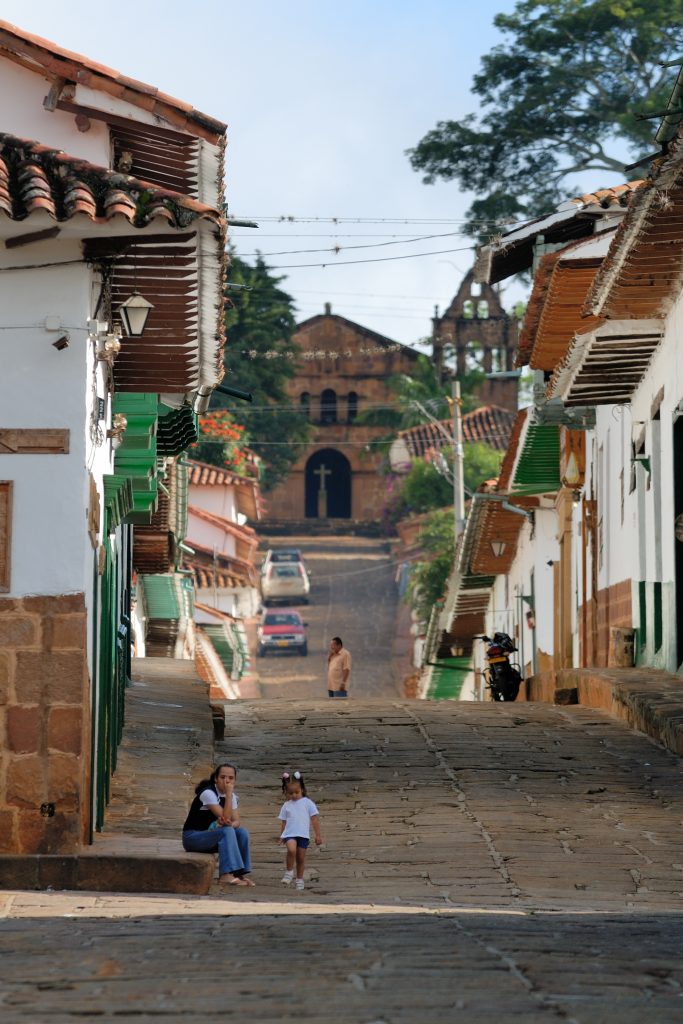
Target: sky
[[322, 100]]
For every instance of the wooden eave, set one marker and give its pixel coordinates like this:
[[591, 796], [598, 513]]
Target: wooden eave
[[55, 63], [605, 367]]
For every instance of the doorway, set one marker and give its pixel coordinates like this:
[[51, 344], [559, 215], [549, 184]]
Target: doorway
[[678, 531], [328, 485]]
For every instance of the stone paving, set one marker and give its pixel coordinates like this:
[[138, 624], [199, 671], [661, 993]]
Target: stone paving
[[353, 595], [481, 863]]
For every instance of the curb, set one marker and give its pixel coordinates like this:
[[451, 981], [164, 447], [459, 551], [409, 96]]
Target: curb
[[646, 699]]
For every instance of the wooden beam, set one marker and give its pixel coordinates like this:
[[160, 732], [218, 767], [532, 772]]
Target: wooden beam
[[22, 441], [31, 236], [5, 534]]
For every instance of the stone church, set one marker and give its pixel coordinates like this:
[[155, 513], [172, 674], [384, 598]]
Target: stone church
[[477, 333], [343, 370]]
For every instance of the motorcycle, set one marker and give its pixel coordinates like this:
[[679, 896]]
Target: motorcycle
[[503, 678]]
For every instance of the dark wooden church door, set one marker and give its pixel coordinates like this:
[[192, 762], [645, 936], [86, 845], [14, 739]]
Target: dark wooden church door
[[328, 485]]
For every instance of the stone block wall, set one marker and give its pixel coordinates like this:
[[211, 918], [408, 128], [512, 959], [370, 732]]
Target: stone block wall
[[614, 608], [44, 724]]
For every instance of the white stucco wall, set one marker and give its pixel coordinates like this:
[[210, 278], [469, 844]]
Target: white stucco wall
[[43, 387], [219, 500], [530, 576], [22, 113], [209, 535]]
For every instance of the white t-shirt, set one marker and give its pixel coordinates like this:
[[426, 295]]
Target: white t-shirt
[[297, 816], [209, 799]]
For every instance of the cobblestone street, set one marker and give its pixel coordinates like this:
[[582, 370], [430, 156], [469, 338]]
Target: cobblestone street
[[481, 862], [352, 594]]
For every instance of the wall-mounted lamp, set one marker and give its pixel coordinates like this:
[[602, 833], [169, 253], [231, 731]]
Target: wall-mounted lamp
[[61, 343], [134, 313], [498, 547], [117, 429]]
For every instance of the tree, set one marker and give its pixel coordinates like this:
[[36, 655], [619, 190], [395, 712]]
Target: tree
[[260, 357], [482, 462], [423, 388], [429, 577], [558, 97]]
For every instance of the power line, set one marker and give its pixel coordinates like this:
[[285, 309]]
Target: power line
[[282, 219], [331, 234], [367, 245], [367, 295], [378, 259]]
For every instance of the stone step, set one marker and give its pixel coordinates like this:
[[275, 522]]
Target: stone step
[[117, 863]]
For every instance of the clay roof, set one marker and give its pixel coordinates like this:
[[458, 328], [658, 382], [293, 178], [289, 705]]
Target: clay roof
[[248, 492], [37, 178], [555, 310], [489, 423], [205, 577], [512, 252], [245, 537], [204, 473], [54, 62], [643, 270], [206, 560]]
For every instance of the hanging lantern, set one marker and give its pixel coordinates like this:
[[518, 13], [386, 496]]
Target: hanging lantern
[[134, 313]]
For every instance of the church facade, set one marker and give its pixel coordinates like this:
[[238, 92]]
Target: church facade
[[343, 370]]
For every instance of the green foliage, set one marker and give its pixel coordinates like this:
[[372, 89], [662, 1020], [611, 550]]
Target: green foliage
[[424, 387], [261, 357], [423, 489], [429, 577], [558, 97], [482, 462]]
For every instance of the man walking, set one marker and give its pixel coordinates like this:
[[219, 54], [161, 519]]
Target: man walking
[[338, 669]]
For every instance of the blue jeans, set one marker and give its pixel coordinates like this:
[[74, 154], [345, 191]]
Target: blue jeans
[[232, 845]]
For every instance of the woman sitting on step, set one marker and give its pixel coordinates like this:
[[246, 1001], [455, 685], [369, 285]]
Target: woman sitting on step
[[213, 825]]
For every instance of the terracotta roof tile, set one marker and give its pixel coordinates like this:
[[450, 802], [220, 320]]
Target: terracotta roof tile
[[74, 67], [643, 271], [606, 198], [489, 423], [34, 177], [554, 312], [205, 473]]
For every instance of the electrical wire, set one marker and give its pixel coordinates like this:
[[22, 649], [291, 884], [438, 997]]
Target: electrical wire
[[378, 259], [340, 248]]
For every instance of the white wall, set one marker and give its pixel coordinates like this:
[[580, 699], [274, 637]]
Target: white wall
[[43, 387], [530, 575], [210, 535], [219, 500], [22, 113]]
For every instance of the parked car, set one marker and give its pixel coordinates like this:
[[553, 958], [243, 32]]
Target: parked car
[[281, 556], [282, 581], [282, 630]]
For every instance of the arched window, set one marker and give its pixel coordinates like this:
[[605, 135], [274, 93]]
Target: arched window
[[468, 309], [305, 403], [328, 406], [352, 407], [482, 309]]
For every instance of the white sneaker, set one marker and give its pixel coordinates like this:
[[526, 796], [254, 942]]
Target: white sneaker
[[299, 884], [288, 878]]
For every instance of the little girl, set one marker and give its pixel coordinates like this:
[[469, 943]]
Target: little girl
[[297, 815]]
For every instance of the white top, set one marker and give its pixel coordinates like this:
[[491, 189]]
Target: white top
[[297, 815], [208, 799]]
